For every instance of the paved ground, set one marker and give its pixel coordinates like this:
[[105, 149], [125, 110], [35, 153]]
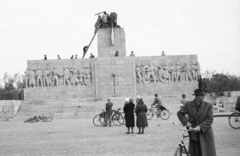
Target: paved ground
[[81, 137]]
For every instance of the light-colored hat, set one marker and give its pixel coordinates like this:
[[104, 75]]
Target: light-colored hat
[[127, 100], [138, 96]]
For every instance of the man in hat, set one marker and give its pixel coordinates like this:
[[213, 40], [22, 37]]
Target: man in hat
[[108, 114], [200, 119]]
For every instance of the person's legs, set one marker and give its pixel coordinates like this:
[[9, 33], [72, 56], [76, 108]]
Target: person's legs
[[110, 120], [132, 129], [143, 130], [139, 129], [128, 132], [106, 119], [158, 111]]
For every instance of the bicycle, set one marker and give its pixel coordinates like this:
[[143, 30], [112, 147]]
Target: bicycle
[[43, 118], [234, 120], [117, 118], [164, 114], [181, 148]]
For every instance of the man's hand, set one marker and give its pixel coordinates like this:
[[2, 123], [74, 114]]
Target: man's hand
[[189, 124], [197, 129]]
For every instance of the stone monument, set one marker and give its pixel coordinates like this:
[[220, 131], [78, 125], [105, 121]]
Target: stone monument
[[107, 75]]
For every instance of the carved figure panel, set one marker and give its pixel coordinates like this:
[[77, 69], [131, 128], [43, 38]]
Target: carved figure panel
[[67, 76], [164, 73]]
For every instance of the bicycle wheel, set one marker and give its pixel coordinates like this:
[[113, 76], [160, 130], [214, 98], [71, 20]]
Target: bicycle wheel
[[234, 120], [98, 120], [47, 119], [149, 114], [118, 119], [164, 114]]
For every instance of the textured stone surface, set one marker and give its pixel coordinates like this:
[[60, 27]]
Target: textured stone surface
[[105, 48]]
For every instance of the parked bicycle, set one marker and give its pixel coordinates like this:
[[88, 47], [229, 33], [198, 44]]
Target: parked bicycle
[[181, 148], [234, 120], [43, 118], [117, 118], [164, 114]]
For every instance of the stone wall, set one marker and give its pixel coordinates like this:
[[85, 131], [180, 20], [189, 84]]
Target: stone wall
[[8, 108], [229, 100], [115, 76], [119, 71]]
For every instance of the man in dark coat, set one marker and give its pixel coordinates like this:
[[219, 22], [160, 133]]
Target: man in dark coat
[[238, 104], [200, 119], [129, 114], [108, 114], [200, 82]]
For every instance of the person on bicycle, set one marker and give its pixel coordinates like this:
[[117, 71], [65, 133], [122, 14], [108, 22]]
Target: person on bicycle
[[199, 121], [108, 113], [159, 104]]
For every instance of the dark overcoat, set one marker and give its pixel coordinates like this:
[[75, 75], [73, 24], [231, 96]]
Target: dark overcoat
[[129, 114], [140, 111], [204, 119], [109, 108], [238, 103]]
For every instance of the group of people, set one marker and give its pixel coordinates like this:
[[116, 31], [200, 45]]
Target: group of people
[[129, 109], [202, 84], [196, 115]]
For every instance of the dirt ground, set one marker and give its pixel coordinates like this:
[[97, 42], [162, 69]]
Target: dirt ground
[[80, 137]]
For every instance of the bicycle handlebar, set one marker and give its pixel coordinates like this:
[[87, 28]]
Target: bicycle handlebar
[[184, 129]]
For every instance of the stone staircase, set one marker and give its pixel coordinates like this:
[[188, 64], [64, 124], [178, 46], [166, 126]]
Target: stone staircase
[[88, 108]]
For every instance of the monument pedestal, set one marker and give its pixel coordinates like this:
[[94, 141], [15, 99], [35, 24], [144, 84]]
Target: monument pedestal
[[105, 46]]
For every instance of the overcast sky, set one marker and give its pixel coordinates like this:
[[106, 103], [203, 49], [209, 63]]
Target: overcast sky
[[29, 29]]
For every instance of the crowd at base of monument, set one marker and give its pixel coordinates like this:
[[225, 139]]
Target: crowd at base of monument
[[199, 120]]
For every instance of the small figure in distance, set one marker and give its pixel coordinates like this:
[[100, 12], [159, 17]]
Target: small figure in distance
[[76, 56], [72, 57], [200, 81], [159, 104], [92, 56], [45, 57], [59, 57], [237, 107], [108, 113], [85, 48], [163, 54], [183, 101], [132, 54], [116, 54]]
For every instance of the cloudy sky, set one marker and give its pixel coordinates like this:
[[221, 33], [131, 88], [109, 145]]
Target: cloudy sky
[[29, 29]]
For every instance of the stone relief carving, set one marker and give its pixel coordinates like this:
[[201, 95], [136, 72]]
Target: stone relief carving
[[163, 73], [67, 76]]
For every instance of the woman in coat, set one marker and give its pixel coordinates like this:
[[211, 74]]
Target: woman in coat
[[129, 114], [140, 111]]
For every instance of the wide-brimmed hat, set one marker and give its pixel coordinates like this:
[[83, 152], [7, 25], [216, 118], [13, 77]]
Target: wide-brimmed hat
[[199, 92]]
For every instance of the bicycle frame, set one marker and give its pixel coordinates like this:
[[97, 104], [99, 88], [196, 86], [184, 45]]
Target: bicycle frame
[[181, 145]]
